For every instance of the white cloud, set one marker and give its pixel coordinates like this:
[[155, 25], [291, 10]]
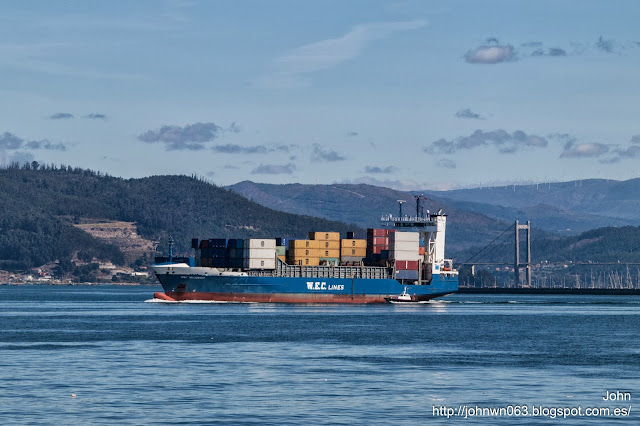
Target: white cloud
[[321, 55], [490, 54]]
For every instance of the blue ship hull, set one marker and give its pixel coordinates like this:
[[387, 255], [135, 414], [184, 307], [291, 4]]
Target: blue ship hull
[[246, 288]]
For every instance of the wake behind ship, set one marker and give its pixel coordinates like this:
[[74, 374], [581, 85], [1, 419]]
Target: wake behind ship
[[406, 256]]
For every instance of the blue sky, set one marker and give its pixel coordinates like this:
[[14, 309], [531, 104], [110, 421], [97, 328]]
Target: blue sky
[[406, 94]]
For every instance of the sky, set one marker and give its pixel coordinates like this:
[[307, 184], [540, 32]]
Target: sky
[[403, 94]]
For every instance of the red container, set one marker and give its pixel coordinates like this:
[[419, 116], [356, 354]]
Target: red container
[[204, 244], [378, 241], [374, 232], [406, 265]]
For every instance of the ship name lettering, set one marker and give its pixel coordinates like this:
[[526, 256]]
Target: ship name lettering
[[336, 287], [318, 285]]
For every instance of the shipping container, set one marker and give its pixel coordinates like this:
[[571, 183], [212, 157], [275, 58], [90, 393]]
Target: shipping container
[[260, 263], [407, 265], [350, 235], [377, 232], [219, 262], [324, 236], [407, 275], [326, 244], [404, 245], [332, 261], [404, 237], [194, 243], [282, 241], [236, 263], [283, 258], [294, 244], [330, 253], [236, 243], [281, 250], [218, 242], [351, 243], [404, 255], [421, 251], [204, 244], [377, 241], [260, 243], [259, 253], [375, 249], [346, 251], [234, 253], [304, 252], [305, 261]]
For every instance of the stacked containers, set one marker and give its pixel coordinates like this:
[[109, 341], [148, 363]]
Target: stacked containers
[[328, 245], [213, 253], [304, 252], [404, 250], [378, 241], [259, 253], [235, 253], [281, 248], [352, 250]]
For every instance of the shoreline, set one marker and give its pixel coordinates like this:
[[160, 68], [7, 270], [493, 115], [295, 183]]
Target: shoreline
[[577, 291]]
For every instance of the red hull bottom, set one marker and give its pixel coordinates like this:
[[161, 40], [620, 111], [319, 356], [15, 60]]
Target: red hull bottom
[[162, 296], [280, 297]]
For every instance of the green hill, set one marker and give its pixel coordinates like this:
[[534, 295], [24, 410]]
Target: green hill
[[39, 205]]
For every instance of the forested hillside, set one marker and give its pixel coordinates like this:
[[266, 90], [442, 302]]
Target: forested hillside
[[39, 204]]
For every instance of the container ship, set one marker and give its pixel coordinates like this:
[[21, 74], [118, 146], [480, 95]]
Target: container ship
[[405, 256]]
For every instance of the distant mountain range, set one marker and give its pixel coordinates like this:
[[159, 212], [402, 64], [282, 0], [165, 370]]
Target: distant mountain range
[[363, 205], [566, 208], [599, 198]]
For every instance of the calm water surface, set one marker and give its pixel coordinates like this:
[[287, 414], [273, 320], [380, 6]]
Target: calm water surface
[[133, 362]]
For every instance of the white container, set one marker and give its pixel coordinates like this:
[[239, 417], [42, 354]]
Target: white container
[[402, 245], [259, 263], [403, 236], [405, 255], [259, 253], [260, 243]]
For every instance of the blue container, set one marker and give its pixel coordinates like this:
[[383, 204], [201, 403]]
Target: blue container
[[407, 275], [219, 262], [282, 241], [236, 243], [218, 252], [218, 242]]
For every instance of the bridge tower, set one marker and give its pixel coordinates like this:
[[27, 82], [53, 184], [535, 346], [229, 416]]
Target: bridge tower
[[517, 264]]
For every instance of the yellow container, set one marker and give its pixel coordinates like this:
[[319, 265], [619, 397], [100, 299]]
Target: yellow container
[[324, 236], [329, 253], [347, 251], [283, 258], [305, 261], [353, 244], [299, 244], [304, 252], [329, 244]]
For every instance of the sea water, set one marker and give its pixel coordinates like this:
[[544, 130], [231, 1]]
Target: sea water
[[107, 355]]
